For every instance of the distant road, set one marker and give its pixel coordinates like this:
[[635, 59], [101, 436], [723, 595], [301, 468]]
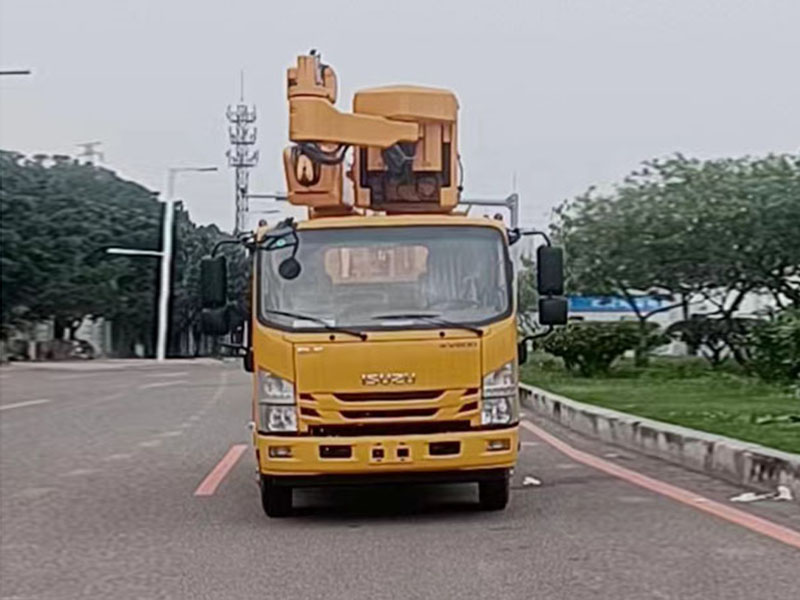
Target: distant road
[[136, 480]]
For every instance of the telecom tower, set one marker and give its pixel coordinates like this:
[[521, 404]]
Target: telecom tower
[[90, 152], [241, 156]]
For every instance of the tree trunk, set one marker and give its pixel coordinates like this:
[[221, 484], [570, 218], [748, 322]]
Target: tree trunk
[[641, 356], [59, 327]]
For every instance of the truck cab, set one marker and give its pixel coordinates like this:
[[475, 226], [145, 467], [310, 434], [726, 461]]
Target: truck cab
[[381, 331]]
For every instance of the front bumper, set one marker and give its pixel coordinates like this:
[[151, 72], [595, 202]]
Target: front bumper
[[381, 455]]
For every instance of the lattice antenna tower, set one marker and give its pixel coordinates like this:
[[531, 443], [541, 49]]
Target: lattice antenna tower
[[90, 152], [241, 155]]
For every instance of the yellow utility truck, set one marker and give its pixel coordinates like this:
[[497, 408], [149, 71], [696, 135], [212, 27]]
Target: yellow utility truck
[[381, 331]]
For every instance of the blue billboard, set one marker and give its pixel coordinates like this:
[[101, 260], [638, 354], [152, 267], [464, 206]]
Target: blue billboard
[[613, 304]]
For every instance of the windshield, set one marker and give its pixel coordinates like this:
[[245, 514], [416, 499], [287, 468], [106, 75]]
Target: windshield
[[376, 277]]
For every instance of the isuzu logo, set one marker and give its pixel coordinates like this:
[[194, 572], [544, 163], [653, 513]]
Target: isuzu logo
[[388, 378]]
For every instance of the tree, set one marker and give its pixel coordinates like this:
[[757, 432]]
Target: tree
[[682, 229], [776, 348], [527, 296], [58, 217], [591, 347]]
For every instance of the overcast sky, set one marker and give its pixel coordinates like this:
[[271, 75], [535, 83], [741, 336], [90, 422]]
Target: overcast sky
[[564, 94]]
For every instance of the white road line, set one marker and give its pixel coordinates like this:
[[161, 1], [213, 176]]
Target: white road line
[[150, 443], [121, 456], [26, 403], [159, 384], [79, 472], [170, 374], [223, 380]]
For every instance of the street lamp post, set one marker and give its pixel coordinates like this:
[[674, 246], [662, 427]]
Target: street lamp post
[[166, 257]]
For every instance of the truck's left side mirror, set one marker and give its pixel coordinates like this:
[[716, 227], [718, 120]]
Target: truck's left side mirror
[[550, 271], [213, 281], [214, 321]]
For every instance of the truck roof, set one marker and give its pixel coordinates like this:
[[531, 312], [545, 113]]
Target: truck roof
[[399, 220]]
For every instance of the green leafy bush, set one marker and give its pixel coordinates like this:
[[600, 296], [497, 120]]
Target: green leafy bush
[[775, 348], [591, 347], [715, 339]]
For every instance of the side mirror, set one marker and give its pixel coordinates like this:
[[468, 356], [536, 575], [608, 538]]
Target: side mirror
[[553, 311], [214, 321], [550, 271], [234, 316], [522, 352], [289, 268], [213, 281]]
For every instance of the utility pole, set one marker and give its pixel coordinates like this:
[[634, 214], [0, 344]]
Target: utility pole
[[89, 152], [166, 257], [241, 156]]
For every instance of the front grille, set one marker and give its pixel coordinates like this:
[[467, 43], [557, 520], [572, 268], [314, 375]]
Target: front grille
[[389, 414], [389, 396], [429, 427]]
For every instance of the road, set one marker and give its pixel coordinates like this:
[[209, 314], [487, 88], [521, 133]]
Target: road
[[100, 461]]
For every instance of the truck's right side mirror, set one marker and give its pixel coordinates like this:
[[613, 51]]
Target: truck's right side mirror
[[550, 271], [213, 281], [553, 311]]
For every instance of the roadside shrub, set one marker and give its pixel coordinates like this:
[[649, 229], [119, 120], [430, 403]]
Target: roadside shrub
[[715, 339], [775, 348], [591, 347]]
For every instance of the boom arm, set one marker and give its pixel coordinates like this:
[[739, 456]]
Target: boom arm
[[404, 140]]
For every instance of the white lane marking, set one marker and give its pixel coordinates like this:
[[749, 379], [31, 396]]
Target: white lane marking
[[150, 443], [530, 444], [168, 374], [634, 500], [120, 456], [26, 403], [159, 384], [78, 472], [223, 380], [170, 433], [531, 481]]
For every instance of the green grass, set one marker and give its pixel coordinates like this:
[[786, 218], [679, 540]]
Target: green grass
[[684, 392]]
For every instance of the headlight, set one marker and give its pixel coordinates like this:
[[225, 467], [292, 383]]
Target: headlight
[[277, 417], [500, 402], [276, 403], [273, 389], [497, 411]]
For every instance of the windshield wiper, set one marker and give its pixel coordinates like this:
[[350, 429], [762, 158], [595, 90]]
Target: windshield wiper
[[431, 318], [327, 326]]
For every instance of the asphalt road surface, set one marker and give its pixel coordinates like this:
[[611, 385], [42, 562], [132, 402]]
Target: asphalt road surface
[[100, 463]]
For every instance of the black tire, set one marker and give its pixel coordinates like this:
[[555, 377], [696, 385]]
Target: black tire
[[493, 494], [275, 499]]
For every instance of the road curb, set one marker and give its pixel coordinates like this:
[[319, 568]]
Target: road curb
[[734, 460]]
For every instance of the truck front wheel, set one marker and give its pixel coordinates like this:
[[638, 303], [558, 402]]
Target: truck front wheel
[[275, 499], [493, 493]]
